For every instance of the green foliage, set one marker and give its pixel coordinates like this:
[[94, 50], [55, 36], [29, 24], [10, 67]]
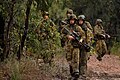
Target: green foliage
[[116, 49], [18, 26], [44, 5], [32, 42], [108, 10], [58, 10], [49, 40]]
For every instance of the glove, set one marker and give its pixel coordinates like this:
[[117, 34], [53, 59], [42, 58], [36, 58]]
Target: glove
[[81, 40]]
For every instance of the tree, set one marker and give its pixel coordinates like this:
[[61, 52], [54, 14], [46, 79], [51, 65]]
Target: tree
[[44, 5], [25, 30], [2, 24], [9, 24]]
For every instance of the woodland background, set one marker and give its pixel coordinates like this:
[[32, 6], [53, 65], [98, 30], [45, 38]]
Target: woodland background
[[19, 19]]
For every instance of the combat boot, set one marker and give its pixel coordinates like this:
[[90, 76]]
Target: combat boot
[[99, 58], [76, 74]]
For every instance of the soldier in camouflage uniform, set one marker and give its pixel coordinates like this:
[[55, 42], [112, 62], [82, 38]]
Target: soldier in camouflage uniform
[[82, 18], [68, 13], [100, 35], [86, 27], [89, 29], [81, 22], [48, 37], [72, 46]]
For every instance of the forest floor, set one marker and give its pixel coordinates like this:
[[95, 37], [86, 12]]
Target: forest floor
[[107, 69]]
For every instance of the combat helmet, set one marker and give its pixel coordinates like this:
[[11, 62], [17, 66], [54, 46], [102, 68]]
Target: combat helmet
[[69, 11], [73, 16], [45, 13], [99, 20], [81, 17]]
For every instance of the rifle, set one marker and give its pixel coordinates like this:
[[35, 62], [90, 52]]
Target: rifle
[[63, 23], [77, 38]]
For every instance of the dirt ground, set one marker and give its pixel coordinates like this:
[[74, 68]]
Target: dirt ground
[[107, 69]]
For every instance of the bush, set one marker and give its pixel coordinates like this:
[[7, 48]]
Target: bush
[[116, 49]]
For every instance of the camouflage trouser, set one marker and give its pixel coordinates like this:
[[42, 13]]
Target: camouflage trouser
[[72, 56], [101, 48]]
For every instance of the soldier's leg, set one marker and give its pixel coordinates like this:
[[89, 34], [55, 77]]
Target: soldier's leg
[[69, 49], [75, 62], [99, 50], [104, 48], [83, 63], [90, 52]]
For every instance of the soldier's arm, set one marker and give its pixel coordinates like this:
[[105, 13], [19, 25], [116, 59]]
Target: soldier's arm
[[89, 26], [63, 32], [81, 33], [89, 35], [96, 30]]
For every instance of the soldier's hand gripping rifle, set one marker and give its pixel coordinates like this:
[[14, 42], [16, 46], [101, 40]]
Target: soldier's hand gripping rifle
[[77, 38]]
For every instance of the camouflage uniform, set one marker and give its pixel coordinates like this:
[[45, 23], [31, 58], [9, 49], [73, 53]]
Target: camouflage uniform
[[89, 33], [68, 13], [48, 37], [90, 37], [101, 47], [89, 29], [89, 26], [72, 48], [86, 27]]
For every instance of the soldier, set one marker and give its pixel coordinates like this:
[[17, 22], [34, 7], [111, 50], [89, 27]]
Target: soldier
[[68, 13], [83, 23], [82, 18], [72, 46], [89, 29], [48, 37], [100, 35], [86, 27]]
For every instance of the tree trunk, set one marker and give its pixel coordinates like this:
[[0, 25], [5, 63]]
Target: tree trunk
[[6, 48], [2, 24], [25, 31]]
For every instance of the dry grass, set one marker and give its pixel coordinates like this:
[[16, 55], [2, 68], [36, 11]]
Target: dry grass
[[31, 69]]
